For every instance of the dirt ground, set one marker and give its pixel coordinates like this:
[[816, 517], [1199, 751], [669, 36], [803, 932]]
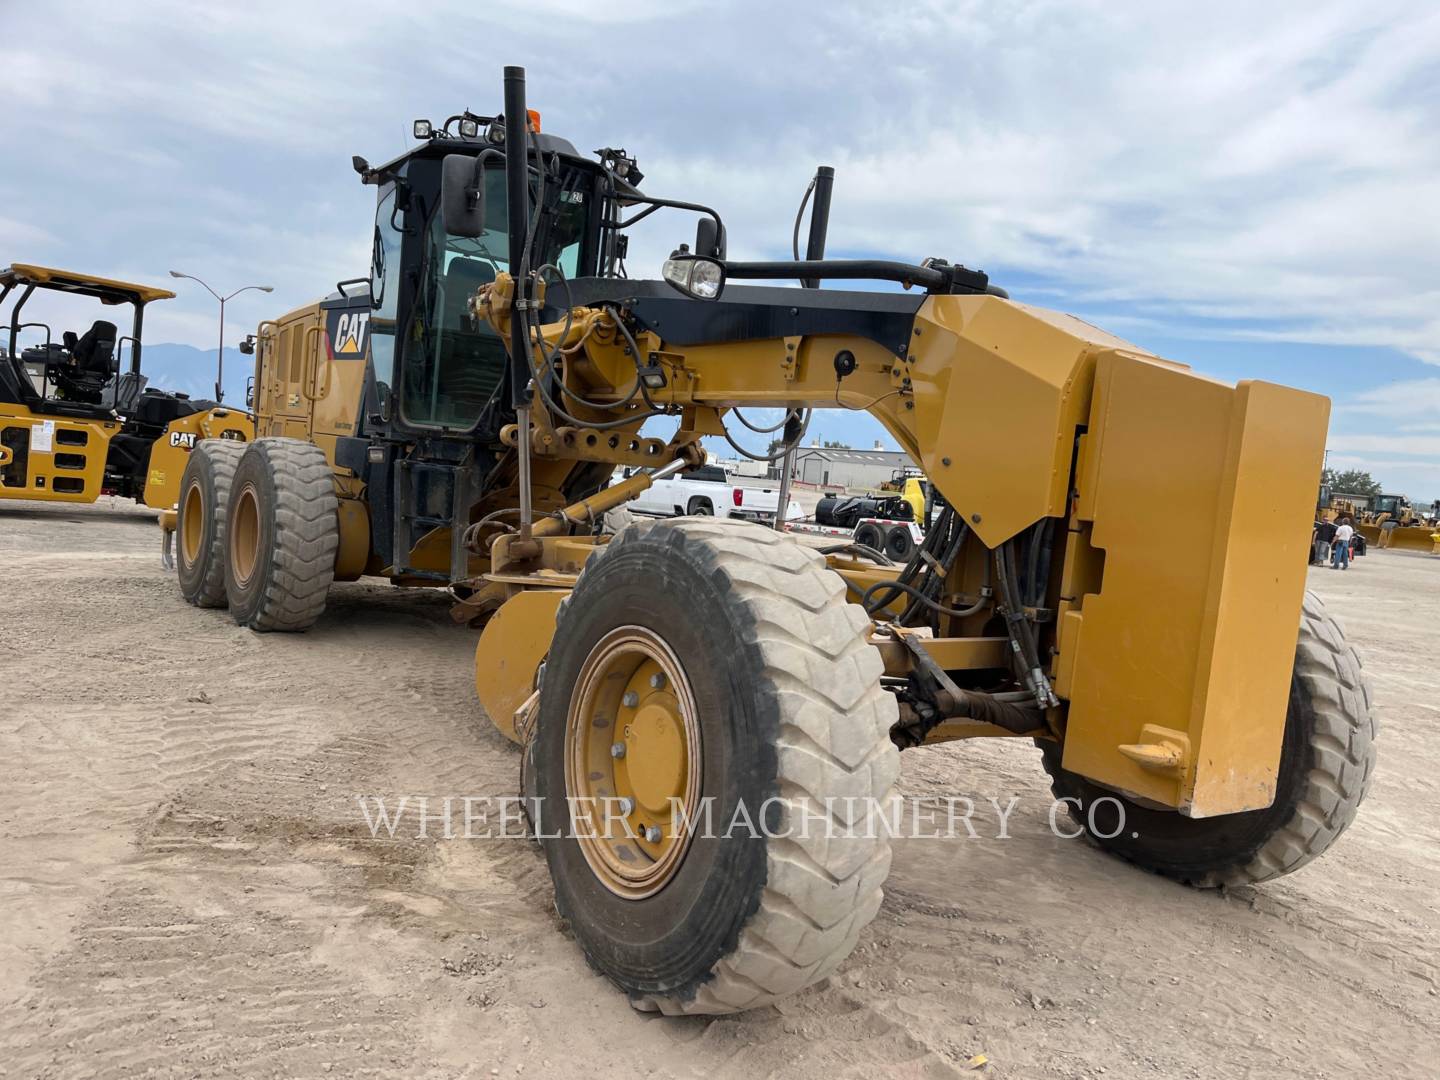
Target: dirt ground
[[188, 887]]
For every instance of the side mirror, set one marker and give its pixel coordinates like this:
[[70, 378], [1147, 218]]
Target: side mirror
[[247, 345], [462, 195], [709, 239]]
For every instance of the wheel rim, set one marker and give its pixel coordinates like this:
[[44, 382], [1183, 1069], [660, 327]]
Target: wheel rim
[[245, 535], [632, 763], [194, 524]]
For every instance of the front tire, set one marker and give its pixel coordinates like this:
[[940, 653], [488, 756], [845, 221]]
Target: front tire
[[281, 536], [200, 524], [1327, 761], [767, 706]]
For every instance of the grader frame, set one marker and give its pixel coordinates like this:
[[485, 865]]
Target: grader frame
[[1099, 436]]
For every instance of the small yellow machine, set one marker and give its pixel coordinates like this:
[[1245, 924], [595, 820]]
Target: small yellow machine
[[73, 426], [912, 486], [710, 712]]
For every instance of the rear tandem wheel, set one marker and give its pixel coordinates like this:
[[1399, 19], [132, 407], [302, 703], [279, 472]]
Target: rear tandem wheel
[[282, 534], [200, 525]]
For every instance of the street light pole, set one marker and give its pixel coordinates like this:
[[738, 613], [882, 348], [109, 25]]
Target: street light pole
[[220, 354]]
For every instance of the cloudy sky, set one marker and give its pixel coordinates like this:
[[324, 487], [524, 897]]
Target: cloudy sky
[[1249, 188]]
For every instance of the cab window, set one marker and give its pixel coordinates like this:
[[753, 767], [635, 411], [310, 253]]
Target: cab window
[[453, 362], [384, 294]]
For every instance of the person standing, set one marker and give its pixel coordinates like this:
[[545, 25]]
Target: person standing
[[1387, 531], [1340, 549], [1324, 537]]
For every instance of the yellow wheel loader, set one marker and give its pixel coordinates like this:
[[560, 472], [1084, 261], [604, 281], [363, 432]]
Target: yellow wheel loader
[[73, 426], [1392, 522], [710, 713]]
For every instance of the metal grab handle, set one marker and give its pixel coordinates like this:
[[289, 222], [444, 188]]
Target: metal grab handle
[[267, 336], [310, 376]]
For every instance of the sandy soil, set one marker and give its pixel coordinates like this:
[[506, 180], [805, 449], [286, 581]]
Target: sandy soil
[[187, 887]]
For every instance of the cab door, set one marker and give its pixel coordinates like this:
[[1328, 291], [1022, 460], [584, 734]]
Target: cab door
[[292, 354]]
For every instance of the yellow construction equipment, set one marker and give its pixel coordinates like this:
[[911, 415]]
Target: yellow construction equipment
[[454, 420], [1390, 521], [73, 426], [912, 486]]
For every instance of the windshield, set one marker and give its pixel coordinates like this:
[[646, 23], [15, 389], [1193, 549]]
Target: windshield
[[454, 362]]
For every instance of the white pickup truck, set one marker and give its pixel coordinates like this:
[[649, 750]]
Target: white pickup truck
[[706, 491]]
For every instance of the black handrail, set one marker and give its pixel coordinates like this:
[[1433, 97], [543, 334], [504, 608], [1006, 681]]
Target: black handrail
[[848, 269]]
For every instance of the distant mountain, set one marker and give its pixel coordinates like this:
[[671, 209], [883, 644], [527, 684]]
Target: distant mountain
[[192, 371]]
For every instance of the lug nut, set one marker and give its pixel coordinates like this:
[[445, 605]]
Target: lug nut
[[657, 681], [627, 806], [630, 700], [653, 834], [617, 750]]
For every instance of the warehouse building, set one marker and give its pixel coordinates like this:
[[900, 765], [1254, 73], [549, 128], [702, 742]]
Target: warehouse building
[[851, 469]]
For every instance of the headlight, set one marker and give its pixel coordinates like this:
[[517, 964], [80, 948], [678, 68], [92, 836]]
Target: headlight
[[694, 275], [469, 129], [423, 129]]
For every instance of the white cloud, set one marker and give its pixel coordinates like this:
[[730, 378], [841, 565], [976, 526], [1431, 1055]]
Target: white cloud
[[1406, 398], [1388, 444], [1267, 163], [20, 235], [1266, 172]]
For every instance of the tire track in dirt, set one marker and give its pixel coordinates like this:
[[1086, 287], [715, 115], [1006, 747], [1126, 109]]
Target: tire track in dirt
[[150, 965], [182, 850]]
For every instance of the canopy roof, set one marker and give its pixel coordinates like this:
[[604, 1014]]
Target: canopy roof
[[107, 290]]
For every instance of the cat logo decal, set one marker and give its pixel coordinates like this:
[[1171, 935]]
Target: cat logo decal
[[349, 334]]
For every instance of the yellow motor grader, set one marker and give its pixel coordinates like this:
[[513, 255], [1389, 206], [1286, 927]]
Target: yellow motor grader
[[73, 425], [456, 420]]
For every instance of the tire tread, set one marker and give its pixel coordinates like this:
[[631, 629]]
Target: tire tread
[[306, 537], [818, 896]]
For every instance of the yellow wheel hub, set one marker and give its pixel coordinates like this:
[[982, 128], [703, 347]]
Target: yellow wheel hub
[[194, 524], [632, 767], [245, 534]]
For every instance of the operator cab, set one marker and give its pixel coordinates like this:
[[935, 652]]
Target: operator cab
[[1394, 505], [436, 368], [70, 370]]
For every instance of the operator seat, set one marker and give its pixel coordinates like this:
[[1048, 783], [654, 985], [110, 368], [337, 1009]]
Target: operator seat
[[94, 351], [90, 368]]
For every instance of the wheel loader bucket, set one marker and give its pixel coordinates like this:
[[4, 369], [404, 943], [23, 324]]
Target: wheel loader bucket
[[1413, 538]]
